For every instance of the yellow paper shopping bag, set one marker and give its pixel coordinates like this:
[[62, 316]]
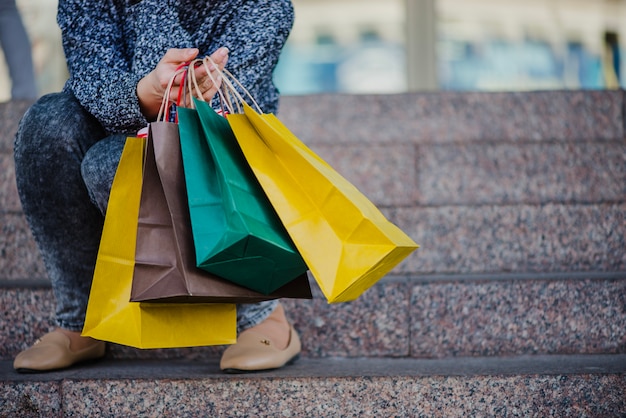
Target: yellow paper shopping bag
[[347, 243], [110, 314]]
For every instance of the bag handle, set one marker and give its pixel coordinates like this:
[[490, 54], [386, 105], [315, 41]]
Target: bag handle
[[181, 69], [193, 83], [227, 82], [227, 91]]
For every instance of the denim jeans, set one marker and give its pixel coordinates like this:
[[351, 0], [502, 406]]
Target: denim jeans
[[64, 164]]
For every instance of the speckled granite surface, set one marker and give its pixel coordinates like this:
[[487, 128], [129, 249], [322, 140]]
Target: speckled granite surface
[[596, 396], [9, 201], [401, 319], [514, 238], [504, 173], [483, 173], [453, 239], [25, 315], [524, 387], [518, 317], [445, 117], [386, 174], [10, 115], [30, 400], [531, 396], [19, 256]]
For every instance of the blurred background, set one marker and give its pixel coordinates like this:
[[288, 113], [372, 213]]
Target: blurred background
[[371, 46]]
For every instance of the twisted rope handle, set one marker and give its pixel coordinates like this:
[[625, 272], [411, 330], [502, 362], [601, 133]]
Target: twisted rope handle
[[193, 84], [227, 82], [168, 90], [228, 93]]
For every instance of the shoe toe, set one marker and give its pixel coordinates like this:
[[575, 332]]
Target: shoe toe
[[53, 352], [256, 352], [42, 357]]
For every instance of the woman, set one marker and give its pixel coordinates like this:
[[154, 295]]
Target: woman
[[120, 55]]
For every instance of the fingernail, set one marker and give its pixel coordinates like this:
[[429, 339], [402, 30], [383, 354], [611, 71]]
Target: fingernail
[[223, 51]]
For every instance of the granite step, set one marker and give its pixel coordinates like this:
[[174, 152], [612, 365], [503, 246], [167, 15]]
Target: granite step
[[431, 316], [529, 386], [548, 238]]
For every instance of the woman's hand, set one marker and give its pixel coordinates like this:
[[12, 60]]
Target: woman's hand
[[207, 84], [151, 88]]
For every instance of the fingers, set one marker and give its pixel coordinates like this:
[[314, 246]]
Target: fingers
[[220, 57], [209, 83], [172, 59], [152, 88], [177, 56]]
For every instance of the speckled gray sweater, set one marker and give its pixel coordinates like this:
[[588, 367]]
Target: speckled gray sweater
[[111, 44]]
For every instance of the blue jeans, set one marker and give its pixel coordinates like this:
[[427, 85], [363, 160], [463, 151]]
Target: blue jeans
[[64, 164]]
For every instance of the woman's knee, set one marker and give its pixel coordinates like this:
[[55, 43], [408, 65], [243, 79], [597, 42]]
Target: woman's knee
[[99, 166], [56, 123]]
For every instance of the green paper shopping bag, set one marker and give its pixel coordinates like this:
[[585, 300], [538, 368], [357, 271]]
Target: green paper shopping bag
[[237, 234]]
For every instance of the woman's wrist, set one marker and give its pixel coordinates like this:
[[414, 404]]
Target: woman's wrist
[[149, 99]]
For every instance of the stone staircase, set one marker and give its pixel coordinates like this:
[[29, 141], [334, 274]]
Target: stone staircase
[[515, 304]]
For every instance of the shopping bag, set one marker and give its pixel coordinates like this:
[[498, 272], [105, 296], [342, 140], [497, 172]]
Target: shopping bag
[[345, 240], [236, 232], [165, 269], [110, 314]]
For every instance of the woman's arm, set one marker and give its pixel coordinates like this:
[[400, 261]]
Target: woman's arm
[[99, 66]]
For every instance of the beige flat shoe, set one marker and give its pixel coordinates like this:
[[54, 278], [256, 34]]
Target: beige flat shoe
[[52, 352], [256, 352]]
